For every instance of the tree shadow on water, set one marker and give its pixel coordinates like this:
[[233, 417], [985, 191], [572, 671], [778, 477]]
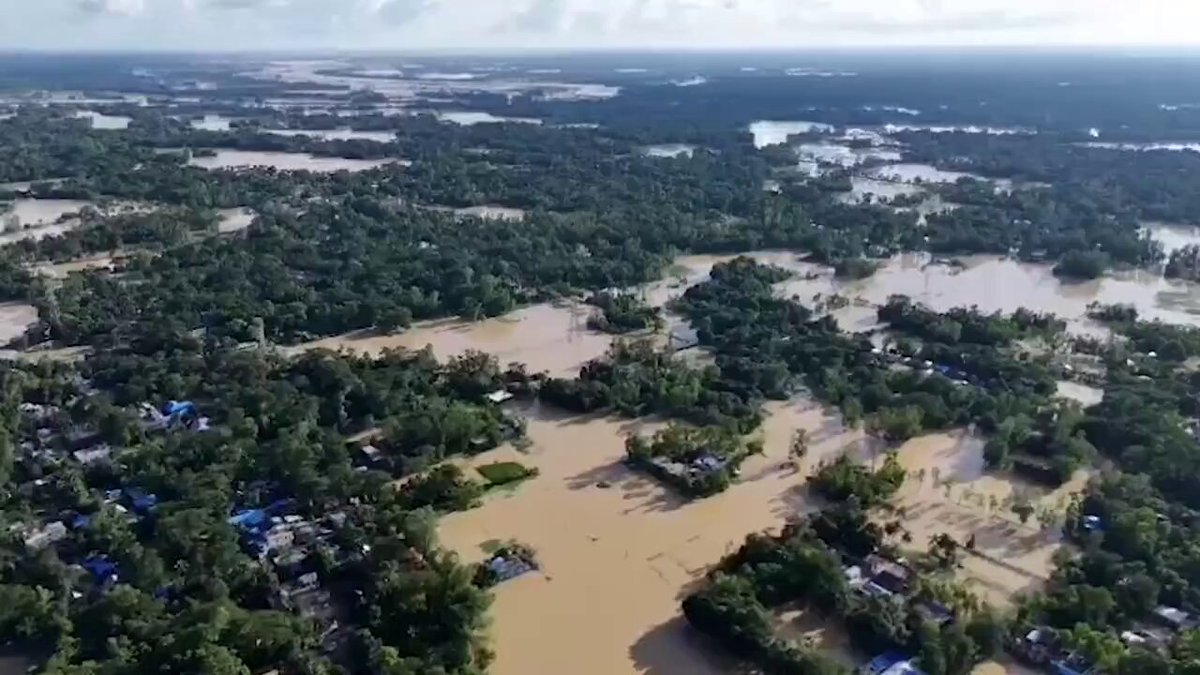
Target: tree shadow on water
[[675, 648]]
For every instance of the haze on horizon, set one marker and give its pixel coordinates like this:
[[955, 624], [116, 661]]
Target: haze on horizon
[[481, 25]]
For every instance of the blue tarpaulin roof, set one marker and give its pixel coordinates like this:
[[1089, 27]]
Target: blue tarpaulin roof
[[884, 661]]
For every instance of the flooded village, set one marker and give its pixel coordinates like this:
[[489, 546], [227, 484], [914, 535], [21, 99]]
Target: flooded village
[[373, 365]]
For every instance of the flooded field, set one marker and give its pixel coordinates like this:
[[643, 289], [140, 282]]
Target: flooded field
[[492, 212], [284, 161], [29, 212], [468, 118], [211, 123], [919, 173], [948, 129], [337, 134], [993, 284], [774, 132], [234, 220], [843, 155], [1173, 236], [551, 337], [15, 317], [668, 150], [631, 550], [62, 269], [864, 190], [101, 121], [948, 492], [1081, 393], [1135, 147]]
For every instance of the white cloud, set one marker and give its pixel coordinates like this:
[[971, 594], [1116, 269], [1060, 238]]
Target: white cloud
[[566, 24]]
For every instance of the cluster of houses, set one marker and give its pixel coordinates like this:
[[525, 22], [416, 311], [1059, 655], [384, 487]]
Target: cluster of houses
[[287, 543], [1044, 648], [881, 577]]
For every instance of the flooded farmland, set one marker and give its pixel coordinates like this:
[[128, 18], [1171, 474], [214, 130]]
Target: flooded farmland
[[234, 220], [668, 150], [211, 123], [774, 132], [612, 542], [948, 491], [469, 118], [994, 284], [1172, 236], [105, 122], [284, 161], [632, 549], [337, 134], [15, 317]]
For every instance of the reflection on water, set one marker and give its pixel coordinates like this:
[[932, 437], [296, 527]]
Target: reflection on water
[[774, 132], [284, 161]]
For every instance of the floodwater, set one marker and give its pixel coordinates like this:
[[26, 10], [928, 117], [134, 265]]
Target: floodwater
[[38, 218], [337, 134], [492, 212], [669, 150], [864, 189], [1174, 147], [102, 121], [616, 561], [469, 118], [21, 185], [284, 161], [234, 220], [15, 317], [555, 338], [919, 173], [947, 491], [1172, 236], [551, 337], [774, 132], [211, 123], [547, 337], [993, 284], [843, 155], [62, 269], [947, 129], [1087, 396]]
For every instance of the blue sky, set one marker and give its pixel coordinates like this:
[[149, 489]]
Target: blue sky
[[557, 24]]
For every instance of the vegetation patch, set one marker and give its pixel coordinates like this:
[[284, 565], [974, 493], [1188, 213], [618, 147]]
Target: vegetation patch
[[698, 462], [623, 313], [505, 473]]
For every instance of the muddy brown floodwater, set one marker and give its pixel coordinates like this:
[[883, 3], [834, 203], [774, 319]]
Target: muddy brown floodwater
[[947, 491], [617, 561], [553, 337]]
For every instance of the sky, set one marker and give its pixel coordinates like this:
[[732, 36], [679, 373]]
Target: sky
[[502, 25]]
